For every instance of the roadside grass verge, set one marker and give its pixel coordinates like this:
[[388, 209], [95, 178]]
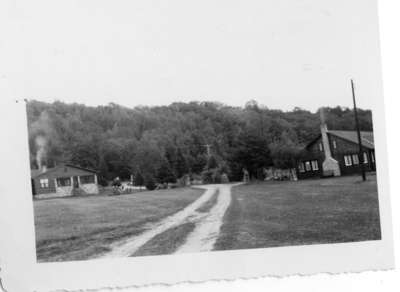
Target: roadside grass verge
[[83, 227], [206, 207], [167, 242], [170, 240], [270, 214]]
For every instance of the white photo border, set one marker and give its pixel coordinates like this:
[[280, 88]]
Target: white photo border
[[20, 272]]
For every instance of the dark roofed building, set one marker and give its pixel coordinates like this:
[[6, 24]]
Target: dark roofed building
[[335, 153], [63, 180], [367, 138]]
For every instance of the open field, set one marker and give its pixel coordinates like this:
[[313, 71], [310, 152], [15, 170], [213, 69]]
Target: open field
[[77, 228], [216, 217], [269, 214]]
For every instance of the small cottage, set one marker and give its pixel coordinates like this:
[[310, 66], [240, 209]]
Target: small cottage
[[63, 180], [336, 153]]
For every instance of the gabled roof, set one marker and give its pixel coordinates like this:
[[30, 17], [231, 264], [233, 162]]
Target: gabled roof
[[367, 138], [37, 172], [79, 167]]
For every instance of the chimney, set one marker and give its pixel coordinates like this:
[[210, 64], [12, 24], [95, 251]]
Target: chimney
[[330, 166], [43, 169], [324, 135]]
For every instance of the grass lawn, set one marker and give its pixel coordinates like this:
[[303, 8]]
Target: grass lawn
[[167, 242], [316, 211], [170, 240], [78, 228]]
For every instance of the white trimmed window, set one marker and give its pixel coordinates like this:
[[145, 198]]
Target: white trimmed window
[[301, 167], [308, 165], [347, 160], [44, 183], [365, 158], [320, 147], [314, 164], [355, 159]]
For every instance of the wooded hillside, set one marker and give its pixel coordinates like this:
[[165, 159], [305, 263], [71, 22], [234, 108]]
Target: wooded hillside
[[163, 143]]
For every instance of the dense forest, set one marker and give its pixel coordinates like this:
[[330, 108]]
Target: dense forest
[[164, 143]]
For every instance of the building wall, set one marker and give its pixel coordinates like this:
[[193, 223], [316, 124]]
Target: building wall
[[58, 193], [62, 191], [313, 152], [316, 147], [39, 190], [67, 191], [89, 188], [344, 147], [339, 148]]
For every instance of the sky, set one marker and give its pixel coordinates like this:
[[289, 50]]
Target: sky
[[283, 54]]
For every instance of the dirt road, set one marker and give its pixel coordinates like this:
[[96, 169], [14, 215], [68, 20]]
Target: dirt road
[[207, 228], [203, 236]]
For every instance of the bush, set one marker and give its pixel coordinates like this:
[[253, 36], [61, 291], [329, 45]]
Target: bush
[[214, 176], [101, 180], [138, 180], [150, 183], [207, 176], [224, 178], [212, 163], [184, 181]]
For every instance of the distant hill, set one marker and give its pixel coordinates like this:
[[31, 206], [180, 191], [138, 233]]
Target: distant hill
[[162, 143]]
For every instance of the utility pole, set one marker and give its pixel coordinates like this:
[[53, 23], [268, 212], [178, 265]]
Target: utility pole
[[208, 147], [360, 150]]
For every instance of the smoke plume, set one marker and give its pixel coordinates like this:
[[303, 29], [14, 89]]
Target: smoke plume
[[41, 143], [41, 131]]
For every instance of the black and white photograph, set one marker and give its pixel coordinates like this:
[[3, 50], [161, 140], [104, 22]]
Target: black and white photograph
[[197, 131], [115, 181]]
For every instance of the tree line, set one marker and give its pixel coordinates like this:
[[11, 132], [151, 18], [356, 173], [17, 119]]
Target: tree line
[[162, 144]]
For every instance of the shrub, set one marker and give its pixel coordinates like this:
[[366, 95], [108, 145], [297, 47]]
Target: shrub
[[150, 183], [183, 181], [224, 178], [138, 180], [216, 176], [101, 180], [207, 176]]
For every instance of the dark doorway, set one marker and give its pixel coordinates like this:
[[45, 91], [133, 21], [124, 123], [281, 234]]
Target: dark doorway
[[33, 187], [76, 182]]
